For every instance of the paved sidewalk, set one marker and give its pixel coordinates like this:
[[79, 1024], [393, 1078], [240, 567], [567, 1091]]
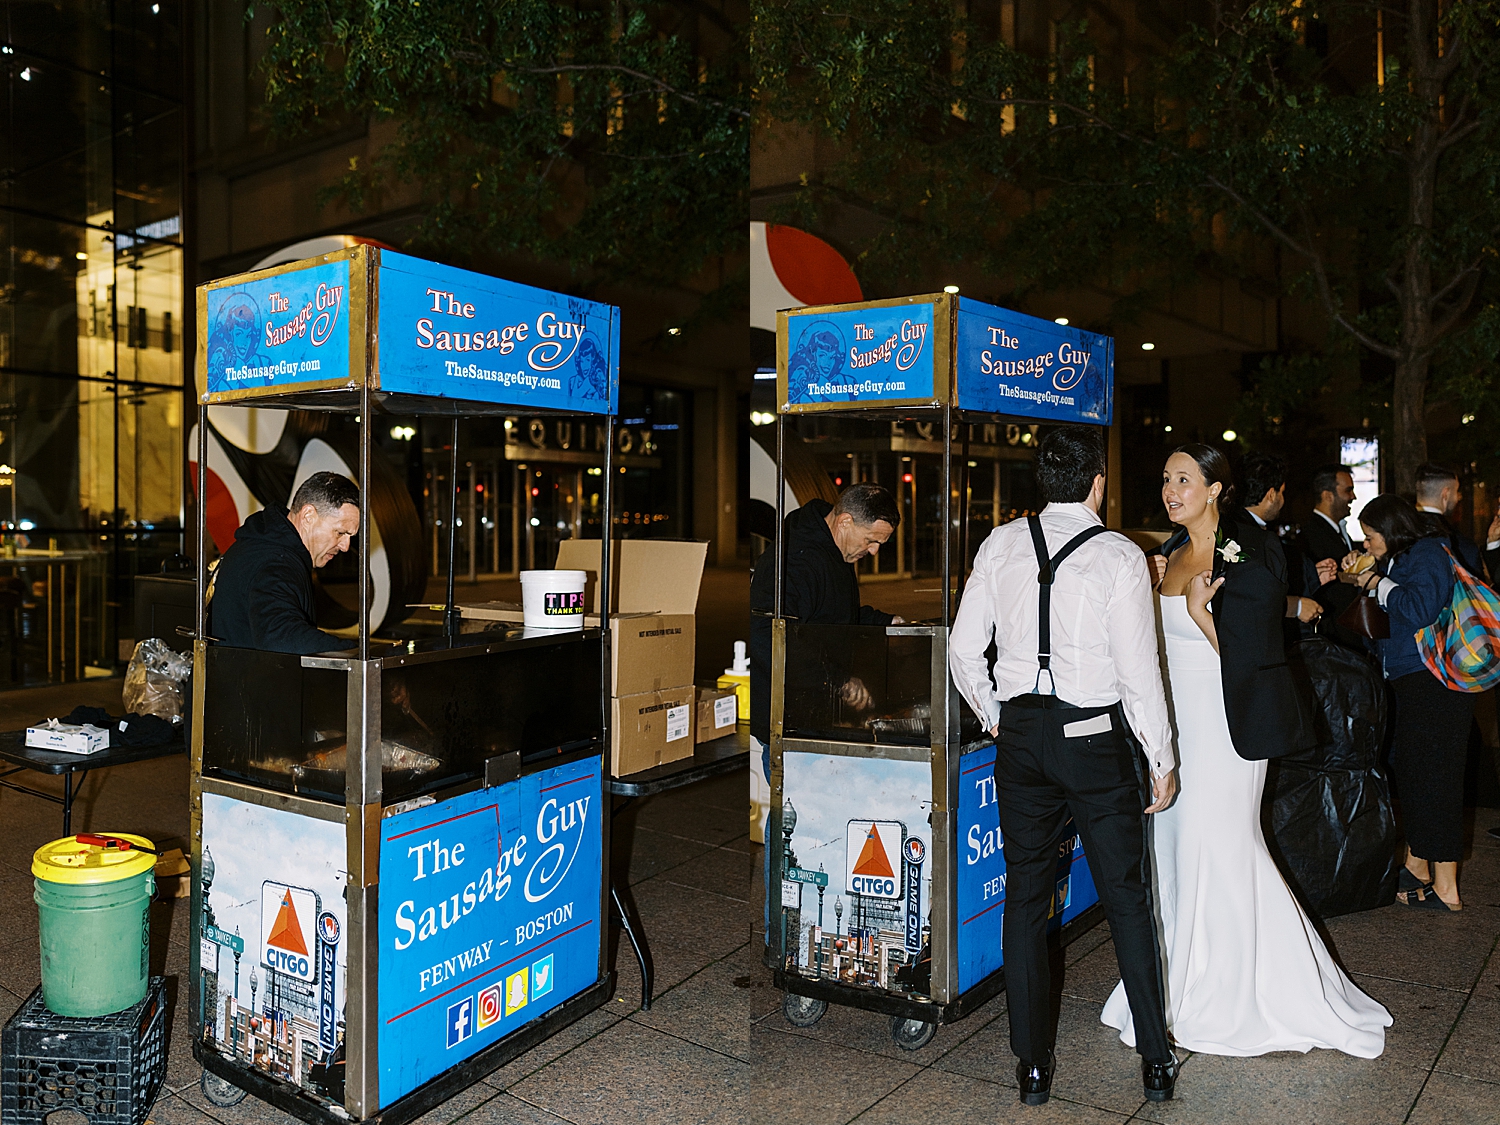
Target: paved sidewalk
[[1438, 974], [686, 1060]]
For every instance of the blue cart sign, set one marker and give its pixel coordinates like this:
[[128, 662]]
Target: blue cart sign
[[928, 351], [452, 333], [1011, 363], [981, 872], [408, 327], [878, 353], [281, 330], [489, 918]]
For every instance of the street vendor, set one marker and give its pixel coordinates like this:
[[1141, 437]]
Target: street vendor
[[823, 542], [261, 593]]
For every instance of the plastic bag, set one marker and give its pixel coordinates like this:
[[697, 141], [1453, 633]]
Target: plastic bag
[[1328, 814], [155, 679]]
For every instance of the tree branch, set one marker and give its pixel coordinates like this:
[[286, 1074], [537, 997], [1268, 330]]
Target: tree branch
[[1460, 306], [615, 68]]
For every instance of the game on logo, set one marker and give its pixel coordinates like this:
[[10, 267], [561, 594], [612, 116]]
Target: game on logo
[[871, 858], [328, 928], [489, 1008], [460, 1021], [515, 991], [541, 977]]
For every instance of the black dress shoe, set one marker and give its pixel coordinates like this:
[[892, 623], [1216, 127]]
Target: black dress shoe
[[1159, 1079], [1035, 1080]]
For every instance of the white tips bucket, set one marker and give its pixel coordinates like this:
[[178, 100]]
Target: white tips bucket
[[553, 599]]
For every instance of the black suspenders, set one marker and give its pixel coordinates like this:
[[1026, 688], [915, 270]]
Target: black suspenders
[[1046, 572]]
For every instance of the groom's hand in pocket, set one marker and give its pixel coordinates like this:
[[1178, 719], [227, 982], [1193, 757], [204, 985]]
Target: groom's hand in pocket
[[1163, 789]]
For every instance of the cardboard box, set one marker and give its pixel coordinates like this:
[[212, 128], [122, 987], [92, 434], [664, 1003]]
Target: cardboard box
[[653, 626], [649, 651], [651, 728], [657, 577], [718, 712]]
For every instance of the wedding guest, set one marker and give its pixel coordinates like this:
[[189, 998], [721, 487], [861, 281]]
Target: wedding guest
[[1325, 540], [1413, 580], [1439, 495], [1265, 497]]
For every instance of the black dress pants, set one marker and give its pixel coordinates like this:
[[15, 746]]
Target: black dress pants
[[1429, 748], [1042, 776]]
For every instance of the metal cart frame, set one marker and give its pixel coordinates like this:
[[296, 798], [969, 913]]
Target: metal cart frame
[[359, 393], [914, 1019]]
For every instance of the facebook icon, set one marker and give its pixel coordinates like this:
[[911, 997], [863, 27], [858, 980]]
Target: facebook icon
[[460, 1021]]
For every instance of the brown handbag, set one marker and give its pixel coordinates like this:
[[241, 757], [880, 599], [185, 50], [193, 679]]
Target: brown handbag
[[1364, 616]]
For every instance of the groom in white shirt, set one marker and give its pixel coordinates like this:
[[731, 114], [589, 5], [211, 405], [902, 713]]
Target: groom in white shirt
[[1065, 685]]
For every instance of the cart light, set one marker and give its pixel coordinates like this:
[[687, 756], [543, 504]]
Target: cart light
[[1061, 320], [1148, 347]]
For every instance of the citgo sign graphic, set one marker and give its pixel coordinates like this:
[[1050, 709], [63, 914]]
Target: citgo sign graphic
[[872, 860], [286, 936]]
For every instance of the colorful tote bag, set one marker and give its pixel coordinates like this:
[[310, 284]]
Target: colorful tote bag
[[1462, 647]]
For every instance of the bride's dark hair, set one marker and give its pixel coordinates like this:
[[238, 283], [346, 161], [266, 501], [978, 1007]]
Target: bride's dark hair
[[1215, 469]]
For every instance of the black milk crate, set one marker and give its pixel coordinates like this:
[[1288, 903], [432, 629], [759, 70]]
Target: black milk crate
[[108, 1068]]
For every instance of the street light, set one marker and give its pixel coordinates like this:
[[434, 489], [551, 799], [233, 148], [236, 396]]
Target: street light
[[838, 914], [788, 826]]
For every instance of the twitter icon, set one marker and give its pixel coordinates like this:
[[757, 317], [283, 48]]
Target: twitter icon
[[541, 977]]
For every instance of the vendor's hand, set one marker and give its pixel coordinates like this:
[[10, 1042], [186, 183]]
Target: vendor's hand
[[1308, 610], [1328, 571], [897, 619], [1163, 789], [1201, 591], [856, 695], [1158, 564]]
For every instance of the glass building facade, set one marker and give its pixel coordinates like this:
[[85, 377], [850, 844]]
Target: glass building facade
[[92, 333]]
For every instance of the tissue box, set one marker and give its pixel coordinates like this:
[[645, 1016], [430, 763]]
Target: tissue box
[[69, 739]]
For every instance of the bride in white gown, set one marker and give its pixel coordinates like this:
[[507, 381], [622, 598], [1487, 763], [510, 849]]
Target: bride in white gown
[[1246, 972]]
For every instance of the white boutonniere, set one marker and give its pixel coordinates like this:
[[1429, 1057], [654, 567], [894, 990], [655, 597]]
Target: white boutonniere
[[1230, 550]]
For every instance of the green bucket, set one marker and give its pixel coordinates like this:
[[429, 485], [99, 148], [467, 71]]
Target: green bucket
[[94, 908]]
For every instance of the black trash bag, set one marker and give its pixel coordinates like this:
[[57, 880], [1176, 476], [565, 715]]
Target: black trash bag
[[1327, 811]]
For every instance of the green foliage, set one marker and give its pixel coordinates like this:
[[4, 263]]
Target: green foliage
[[599, 137], [1240, 150]]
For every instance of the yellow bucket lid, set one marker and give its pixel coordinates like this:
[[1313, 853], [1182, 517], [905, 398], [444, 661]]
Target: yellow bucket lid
[[70, 861]]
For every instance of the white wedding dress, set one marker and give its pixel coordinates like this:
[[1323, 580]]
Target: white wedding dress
[[1246, 973]]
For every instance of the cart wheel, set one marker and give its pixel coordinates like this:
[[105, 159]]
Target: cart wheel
[[802, 1011], [912, 1035], [220, 1092]]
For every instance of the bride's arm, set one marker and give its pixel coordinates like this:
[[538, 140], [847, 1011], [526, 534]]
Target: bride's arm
[[1200, 592]]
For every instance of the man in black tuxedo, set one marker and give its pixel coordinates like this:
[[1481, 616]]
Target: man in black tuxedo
[[1323, 538], [1264, 475], [1438, 495], [1069, 610]]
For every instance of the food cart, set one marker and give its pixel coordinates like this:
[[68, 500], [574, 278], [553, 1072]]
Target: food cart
[[399, 851], [884, 837]]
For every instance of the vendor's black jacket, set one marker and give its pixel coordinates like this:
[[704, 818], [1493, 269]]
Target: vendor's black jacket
[[1267, 715], [263, 590], [819, 588]]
